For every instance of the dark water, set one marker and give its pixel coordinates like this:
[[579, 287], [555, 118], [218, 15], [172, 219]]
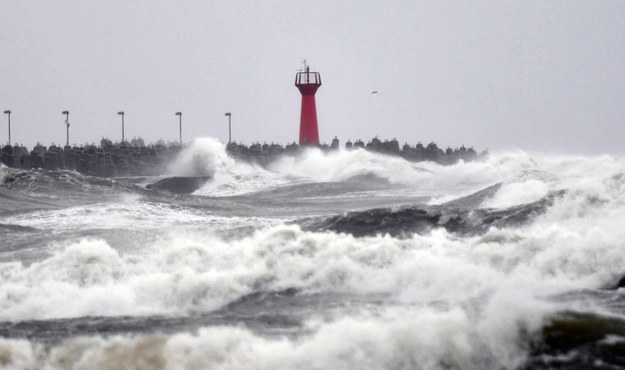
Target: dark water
[[348, 260]]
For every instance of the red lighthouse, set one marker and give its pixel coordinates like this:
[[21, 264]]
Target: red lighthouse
[[308, 82]]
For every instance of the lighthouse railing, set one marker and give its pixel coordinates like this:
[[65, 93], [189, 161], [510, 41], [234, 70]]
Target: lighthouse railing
[[308, 78]]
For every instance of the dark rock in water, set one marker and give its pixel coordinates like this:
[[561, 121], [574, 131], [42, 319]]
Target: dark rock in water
[[572, 329], [180, 185], [578, 340]]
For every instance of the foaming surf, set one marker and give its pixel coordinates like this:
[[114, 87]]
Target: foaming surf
[[208, 157], [345, 259]]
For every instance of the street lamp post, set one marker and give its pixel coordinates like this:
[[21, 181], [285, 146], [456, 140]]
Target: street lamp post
[[229, 115], [66, 113], [179, 114], [8, 113], [122, 114]]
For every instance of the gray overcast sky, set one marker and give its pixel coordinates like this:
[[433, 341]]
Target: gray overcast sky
[[536, 75]]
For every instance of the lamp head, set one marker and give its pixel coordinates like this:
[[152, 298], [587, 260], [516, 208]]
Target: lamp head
[[179, 113], [121, 113], [7, 111], [65, 112], [228, 114]]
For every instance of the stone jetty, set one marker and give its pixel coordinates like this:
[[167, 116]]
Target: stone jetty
[[137, 159], [105, 160], [267, 153]]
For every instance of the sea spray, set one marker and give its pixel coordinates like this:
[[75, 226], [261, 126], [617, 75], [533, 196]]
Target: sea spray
[[208, 157], [206, 280], [195, 272], [429, 339]]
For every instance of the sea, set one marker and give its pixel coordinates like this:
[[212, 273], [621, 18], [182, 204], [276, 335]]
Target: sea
[[347, 259]]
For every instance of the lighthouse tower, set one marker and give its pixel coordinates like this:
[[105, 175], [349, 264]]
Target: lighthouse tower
[[308, 82]]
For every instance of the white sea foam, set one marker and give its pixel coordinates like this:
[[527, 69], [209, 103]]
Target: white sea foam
[[422, 338], [208, 157], [132, 213], [198, 272], [577, 243], [451, 302], [524, 177], [542, 174], [5, 173]]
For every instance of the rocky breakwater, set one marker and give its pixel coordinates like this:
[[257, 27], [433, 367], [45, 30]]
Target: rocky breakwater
[[106, 160], [136, 159], [267, 153]]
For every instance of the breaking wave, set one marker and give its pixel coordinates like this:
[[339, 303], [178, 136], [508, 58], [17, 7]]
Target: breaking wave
[[182, 274], [504, 263], [405, 221], [394, 340], [208, 157]]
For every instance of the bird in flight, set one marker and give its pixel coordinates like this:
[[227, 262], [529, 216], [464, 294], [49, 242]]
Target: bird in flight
[[374, 92]]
